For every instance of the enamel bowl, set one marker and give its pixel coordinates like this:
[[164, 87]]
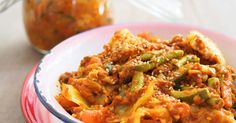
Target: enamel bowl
[[67, 56]]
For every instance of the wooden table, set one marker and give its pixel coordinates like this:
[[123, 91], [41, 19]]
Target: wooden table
[[17, 56]]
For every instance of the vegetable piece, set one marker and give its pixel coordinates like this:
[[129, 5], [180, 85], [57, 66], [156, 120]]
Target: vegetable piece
[[71, 94], [148, 56], [160, 60], [170, 55], [67, 104], [158, 52], [108, 67], [120, 109], [145, 96], [204, 78], [137, 81], [213, 82], [205, 47], [213, 101], [187, 58], [208, 70], [187, 87], [138, 114], [188, 95], [145, 67]]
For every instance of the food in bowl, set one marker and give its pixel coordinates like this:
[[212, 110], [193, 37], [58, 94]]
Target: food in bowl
[[142, 78]]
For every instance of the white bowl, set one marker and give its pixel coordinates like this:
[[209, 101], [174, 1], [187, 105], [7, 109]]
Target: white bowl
[[67, 56]]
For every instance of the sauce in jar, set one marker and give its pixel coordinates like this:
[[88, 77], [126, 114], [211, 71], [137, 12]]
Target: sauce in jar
[[48, 22]]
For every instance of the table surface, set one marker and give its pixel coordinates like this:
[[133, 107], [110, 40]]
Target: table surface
[[18, 57]]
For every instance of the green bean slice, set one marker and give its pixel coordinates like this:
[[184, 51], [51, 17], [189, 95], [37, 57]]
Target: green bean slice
[[137, 81], [213, 82], [149, 55], [187, 58], [214, 101], [146, 56], [188, 95], [145, 67], [170, 55]]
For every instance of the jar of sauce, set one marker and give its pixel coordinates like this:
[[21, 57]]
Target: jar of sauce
[[48, 22]]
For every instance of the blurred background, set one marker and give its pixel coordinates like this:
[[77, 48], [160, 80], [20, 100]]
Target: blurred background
[[17, 56]]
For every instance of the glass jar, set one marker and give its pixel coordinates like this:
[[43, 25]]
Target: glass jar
[[48, 22]]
